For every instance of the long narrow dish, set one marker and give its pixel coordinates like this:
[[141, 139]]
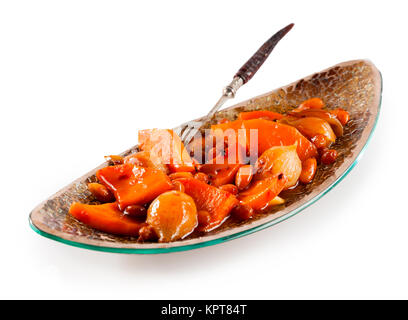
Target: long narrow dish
[[354, 86]]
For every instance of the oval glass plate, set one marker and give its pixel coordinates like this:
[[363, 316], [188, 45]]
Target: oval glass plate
[[355, 86]]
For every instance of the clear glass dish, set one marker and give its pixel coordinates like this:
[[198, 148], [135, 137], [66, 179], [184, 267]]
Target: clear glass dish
[[358, 87]]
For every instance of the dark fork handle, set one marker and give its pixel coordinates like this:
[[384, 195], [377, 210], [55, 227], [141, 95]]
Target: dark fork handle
[[249, 69]]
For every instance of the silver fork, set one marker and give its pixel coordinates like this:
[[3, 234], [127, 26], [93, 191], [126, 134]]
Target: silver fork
[[189, 129]]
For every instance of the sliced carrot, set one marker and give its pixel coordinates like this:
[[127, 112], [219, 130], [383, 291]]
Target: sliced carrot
[[271, 134], [244, 176], [220, 176], [261, 192], [234, 137], [168, 146], [226, 129], [225, 176], [213, 165], [105, 217], [196, 149], [146, 159], [216, 202], [313, 103], [234, 125], [220, 170], [260, 114], [133, 184]]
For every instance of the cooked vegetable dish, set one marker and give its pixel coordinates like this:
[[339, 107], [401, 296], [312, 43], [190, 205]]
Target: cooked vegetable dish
[[234, 170]]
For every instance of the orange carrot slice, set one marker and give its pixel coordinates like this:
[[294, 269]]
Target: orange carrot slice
[[272, 134], [105, 217], [261, 192], [132, 184], [168, 146], [216, 202], [260, 114]]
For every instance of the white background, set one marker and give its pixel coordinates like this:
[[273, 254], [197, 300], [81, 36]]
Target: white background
[[79, 78]]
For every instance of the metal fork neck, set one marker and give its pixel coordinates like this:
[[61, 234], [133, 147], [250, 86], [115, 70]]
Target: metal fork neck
[[230, 90], [228, 93]]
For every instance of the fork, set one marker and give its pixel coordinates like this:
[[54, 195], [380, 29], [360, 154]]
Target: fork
[[189, 129]]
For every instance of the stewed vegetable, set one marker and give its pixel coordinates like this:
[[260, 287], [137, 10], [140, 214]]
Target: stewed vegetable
[[167, 191]]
